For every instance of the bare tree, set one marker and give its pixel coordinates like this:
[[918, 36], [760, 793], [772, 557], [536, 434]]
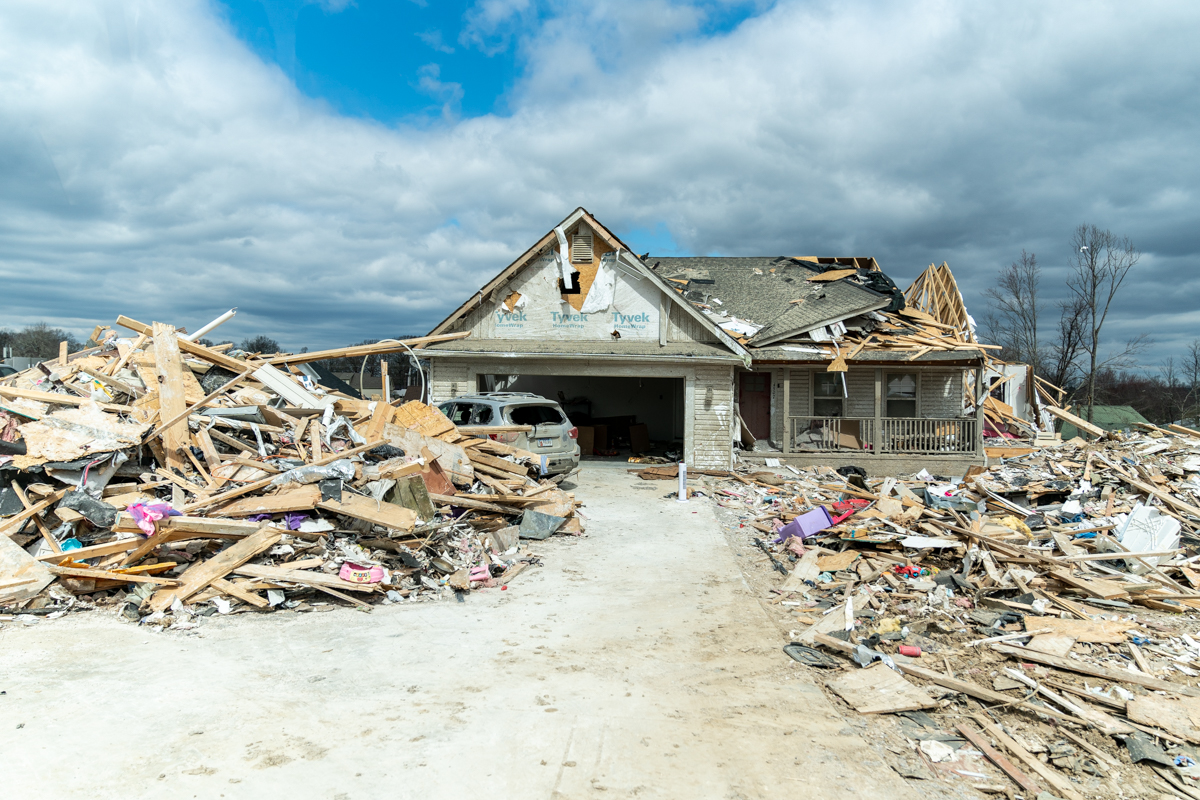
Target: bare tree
[[1016, 305], [259, 344], [1100, 264], [1190, 376], [1062, 356]]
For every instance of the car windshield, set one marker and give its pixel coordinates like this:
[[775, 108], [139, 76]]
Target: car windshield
[[535, 415]]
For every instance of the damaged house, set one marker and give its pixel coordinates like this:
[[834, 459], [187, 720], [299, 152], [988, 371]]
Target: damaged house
[[810, 360]]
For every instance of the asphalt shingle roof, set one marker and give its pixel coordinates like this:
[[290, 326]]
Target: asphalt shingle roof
[[761, 291]]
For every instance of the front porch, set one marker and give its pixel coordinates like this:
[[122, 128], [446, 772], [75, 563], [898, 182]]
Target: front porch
[[888, 419]]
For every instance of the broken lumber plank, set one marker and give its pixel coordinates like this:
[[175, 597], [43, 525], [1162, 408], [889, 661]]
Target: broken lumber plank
[[93, 551], [14, 523], [202, 573], [37, 520], [104, 574], [54, 398], [246, 596], [465, 501], [365, 349], [1078, 422], [389, 515], [172, 400], [199, 404], [1007, 767], [1105, 590], [208, 354], [302, 577], [501, 464], [200, 526], [1116, 676], [1058, 782], [965, 687], [304, 498]]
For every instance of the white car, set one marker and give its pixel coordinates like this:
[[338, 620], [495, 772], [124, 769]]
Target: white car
[[553, 437]]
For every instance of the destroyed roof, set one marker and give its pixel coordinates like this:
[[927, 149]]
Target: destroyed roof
[[798, 352], [763, 291], [1110, 418], [527, 347]]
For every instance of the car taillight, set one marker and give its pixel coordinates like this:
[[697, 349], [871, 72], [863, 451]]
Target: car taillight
[[573, 433]]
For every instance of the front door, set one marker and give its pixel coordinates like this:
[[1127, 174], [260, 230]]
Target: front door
[[754, 402]]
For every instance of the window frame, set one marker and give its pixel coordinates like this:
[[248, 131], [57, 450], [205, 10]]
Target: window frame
[[915, 399], [841, 397]]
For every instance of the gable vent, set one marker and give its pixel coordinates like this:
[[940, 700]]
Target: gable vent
[[581, 248]]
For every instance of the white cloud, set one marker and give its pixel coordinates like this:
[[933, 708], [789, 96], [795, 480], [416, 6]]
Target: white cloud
[[159, 169]]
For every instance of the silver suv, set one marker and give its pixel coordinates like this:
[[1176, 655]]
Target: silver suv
[[552, 438]]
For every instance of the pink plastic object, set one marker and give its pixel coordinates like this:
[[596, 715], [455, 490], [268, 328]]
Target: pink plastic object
[[807, 524], [912, 651], [358, 573], [480, 573]]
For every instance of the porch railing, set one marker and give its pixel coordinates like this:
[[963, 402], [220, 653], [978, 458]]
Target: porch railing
[[897, 435]]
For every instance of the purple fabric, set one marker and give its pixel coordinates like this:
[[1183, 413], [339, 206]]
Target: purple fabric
[[293, 520], [258, 517]]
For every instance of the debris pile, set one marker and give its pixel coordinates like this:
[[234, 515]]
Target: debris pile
[[1032, 621], [171, 481]]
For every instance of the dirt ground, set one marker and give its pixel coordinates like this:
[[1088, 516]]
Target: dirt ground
[[636, 663]]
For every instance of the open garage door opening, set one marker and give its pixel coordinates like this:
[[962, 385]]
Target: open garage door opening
[[616, 416]]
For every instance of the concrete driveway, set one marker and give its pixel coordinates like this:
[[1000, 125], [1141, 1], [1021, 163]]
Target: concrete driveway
[[635, 663]]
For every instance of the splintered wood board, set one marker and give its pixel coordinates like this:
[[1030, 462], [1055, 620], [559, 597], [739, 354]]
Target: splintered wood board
[[304, 498], [426, 420], [1055, 644], [1103, 632], [878, 689], [837, 562], [1177, 715]]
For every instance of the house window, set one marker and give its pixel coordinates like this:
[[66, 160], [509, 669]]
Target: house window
[[829, 398], [901, 394], [581, 248]]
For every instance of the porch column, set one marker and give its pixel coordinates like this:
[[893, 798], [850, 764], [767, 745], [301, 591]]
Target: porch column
[[877, 437], [979, 419], [787, 410]]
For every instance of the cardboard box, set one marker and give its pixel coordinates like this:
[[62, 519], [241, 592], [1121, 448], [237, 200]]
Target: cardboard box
[[587, 440], [639, 438]]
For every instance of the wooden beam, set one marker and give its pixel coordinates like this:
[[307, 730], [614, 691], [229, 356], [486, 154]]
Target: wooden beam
[[211, 356], [202, 573], [171, 393], [1116, 676], [205, 401], [1078, 422], [103, 574], [364, 349]]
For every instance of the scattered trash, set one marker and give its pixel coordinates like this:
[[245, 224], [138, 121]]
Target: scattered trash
[[204, 474]]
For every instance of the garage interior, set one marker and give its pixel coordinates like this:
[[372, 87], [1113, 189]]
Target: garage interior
[[626, 415]]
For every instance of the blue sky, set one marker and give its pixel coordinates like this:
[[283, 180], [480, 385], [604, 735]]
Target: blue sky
[[342, 171], [414, 61]]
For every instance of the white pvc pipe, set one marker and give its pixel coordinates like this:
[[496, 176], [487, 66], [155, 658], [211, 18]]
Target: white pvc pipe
[[191, 337], [683, 498]]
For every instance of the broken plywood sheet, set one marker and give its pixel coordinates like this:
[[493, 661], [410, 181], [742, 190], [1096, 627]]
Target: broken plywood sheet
[[555, 502], [1102, 632], [304, 498], [1177, 715], [1056, 644], [837, 562], [21, 576], [806, 570], [374, 511], [452, 458], [428, 420], [76, 432], [878, 689]]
